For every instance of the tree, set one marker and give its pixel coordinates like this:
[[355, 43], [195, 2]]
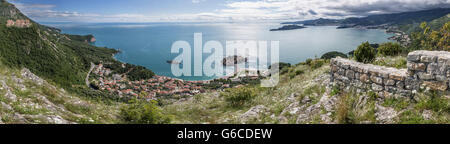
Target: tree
[[365, 53], [429, 39], [389, 49]]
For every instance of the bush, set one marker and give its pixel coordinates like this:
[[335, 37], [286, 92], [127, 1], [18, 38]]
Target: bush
[[435, 102], [308, 61], [389, 49], [143, 112], [333, 54], [365, 53], [299, 72], [280, 65], [239, 96], [315, 64], [283, 67], [296, 73]]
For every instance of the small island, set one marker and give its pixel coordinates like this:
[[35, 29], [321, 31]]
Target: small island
[[288, 27]]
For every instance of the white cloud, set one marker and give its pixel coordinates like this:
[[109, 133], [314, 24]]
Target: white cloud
[[260, 10], [197, 1]]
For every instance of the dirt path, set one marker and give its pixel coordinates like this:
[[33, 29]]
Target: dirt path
[[87, 77]]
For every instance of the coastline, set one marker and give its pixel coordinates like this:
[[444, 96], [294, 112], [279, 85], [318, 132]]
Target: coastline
[[164, 73]]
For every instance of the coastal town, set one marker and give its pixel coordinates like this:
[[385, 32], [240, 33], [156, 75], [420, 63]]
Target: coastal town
[[103, 78]]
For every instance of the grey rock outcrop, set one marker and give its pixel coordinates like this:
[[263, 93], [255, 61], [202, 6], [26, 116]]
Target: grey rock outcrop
[[254, 113]]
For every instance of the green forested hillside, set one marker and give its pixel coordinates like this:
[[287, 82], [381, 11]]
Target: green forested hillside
[[434, 24], [61, 58], [406, 21], [399, 18]]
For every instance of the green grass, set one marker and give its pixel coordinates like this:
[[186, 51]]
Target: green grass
[[398, 62], [213, 108], [397, 103]]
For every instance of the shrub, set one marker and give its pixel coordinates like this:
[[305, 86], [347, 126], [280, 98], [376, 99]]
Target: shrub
[[239, 96], [280, 65], [435, 102], [283, 67], [308, 61], [299, 72], [389, 49], [333, 54], [296, 73], [314, 64], [143, 112], [344, 114], [365, 53]]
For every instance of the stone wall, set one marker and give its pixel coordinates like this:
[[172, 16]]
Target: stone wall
[[426, 69]]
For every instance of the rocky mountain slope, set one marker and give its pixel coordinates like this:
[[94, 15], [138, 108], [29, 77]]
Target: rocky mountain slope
[[43, 74], [43, 80], [60, 58], [305, 95], [26, 98]]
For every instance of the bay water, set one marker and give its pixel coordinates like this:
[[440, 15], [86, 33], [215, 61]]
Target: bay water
[[149, 44]]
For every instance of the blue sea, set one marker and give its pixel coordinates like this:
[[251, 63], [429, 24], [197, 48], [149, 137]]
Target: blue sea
[[149, 44]]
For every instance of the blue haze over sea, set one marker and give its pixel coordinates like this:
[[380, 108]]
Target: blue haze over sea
[[149, 44]]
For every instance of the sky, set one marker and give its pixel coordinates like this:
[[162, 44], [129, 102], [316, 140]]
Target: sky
[[213, 10]]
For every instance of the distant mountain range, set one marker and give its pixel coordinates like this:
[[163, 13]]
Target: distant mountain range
[[382, 20]]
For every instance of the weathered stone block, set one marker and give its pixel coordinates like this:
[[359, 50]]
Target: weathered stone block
[[416, 66], [442, 86], [411, 65], [341, 71], [350, 74], [389, 82], [390, 89], [364, 78], [421, 67], [357, 75], [377, 88], [411, 83], [400, 84], [444, 59], [354, 68], [442, 68], [397, 76], [405, 93], [428, 58], [384, 73], [433, 68], [413, 57], [334, 68], [441, 78], [425, 76], [345, 65], [377, 80], [359, 84]]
